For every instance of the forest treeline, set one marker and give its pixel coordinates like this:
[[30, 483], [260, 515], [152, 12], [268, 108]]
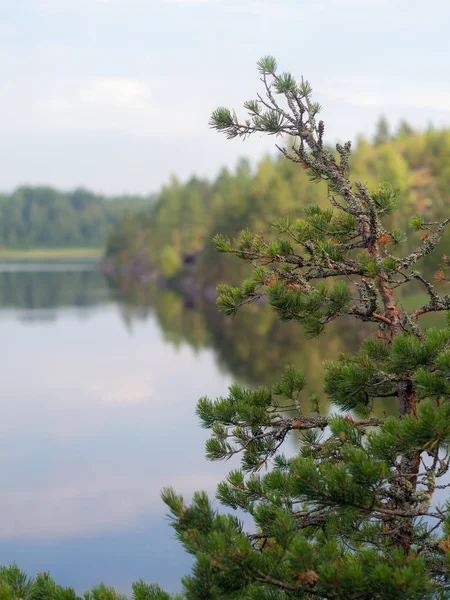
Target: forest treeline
[[32, 217], [186, 216]]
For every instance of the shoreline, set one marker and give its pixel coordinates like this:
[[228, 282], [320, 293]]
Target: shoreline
[[139, 273], [57, 254]]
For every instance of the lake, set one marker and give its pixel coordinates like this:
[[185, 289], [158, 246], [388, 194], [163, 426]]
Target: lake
[[99, 388]]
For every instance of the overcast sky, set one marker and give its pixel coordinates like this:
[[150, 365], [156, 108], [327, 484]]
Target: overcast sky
[[115, 95]]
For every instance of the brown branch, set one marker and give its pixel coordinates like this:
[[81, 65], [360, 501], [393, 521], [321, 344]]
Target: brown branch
[[322, 422], [434, 306], [381, 318], [427, 246]]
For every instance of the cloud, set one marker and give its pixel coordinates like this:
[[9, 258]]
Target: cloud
[[354, 95], [269, 12], [437, 101], [125, 389], [192, 2], [136, 107], [370, 100], [122, 93], [364, 92], [357, 4]]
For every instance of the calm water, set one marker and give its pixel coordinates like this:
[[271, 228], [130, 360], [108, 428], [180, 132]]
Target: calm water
[[98, 414]]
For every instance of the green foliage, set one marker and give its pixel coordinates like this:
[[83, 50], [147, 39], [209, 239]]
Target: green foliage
[[44, 217], [102, 592], [222, 118], [16, 580], [145, 591], [385, 198], [185, 217], [161, 239], [382, 135], [354, 381], [6, 592], [170, 262], [313, 309], [417, 222], [368, 265], [222, 243], [267, 65], [292, 382], [16, 585]]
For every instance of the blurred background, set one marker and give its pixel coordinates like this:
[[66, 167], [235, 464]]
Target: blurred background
[[112, 186]]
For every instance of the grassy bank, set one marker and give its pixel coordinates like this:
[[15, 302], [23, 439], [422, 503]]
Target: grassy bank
[[58, 254]]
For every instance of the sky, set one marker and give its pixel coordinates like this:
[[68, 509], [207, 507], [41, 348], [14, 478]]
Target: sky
[[116, 95]]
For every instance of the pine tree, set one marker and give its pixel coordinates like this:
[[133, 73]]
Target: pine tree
[[404, 129], [360, 511], [382, 135]]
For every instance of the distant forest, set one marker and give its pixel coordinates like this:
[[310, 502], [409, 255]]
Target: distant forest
[[34, 217], [167, 230], [186, 216]]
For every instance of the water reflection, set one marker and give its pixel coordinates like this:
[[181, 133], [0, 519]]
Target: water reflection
[[40, 288], [95, 421], [98, 415], [254, 346]]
